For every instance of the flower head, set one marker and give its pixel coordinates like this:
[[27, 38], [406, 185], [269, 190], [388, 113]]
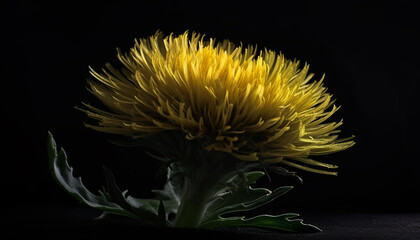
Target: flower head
[[256, 106]]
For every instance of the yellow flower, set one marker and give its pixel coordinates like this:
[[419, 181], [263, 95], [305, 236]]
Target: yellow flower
[[257, 106]]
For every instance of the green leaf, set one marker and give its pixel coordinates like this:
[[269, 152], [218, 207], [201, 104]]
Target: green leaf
[[111, 201], [279, 222], [63, 174], [242, 197], [149, 210], [263, 200], [171, 193]]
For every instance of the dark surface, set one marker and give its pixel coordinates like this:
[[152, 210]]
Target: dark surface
[[77, 223]]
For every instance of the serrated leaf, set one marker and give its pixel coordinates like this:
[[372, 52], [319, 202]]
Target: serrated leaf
[[243, 198], [171, 193], [111, 200], [146, 209], [279, 222], [63, 174]]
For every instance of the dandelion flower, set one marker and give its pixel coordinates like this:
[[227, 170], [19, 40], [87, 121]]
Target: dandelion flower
[[254, 105], [215, 113]]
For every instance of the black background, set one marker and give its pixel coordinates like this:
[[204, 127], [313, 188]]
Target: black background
[[368, 50]]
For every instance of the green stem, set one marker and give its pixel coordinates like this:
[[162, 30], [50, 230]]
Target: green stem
[[205, 174], [193, 204]]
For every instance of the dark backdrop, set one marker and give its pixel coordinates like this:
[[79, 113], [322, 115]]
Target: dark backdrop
[[368, 50]]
